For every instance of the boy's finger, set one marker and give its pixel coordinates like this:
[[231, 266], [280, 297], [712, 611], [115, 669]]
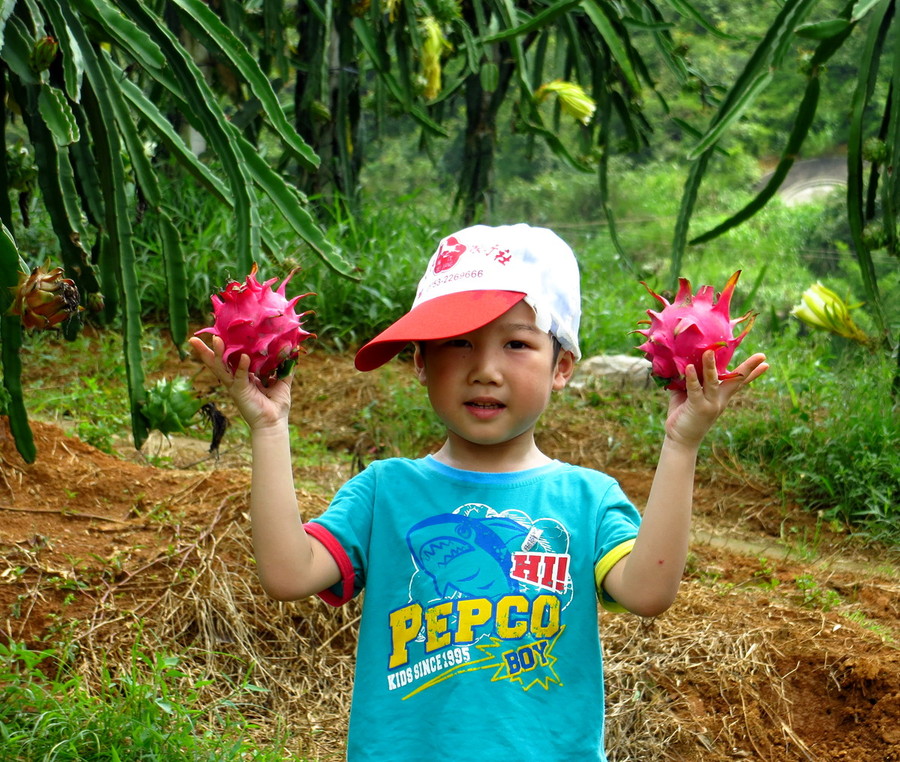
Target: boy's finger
[[199, 347], [710, 373]]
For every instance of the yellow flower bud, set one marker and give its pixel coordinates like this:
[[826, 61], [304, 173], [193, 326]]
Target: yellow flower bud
[[573, 100], [820, 307], [434, 46]]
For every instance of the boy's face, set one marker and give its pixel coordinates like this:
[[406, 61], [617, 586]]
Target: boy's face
[[490, 386]]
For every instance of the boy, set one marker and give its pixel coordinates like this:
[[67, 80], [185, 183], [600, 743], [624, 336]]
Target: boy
[[482, 563]]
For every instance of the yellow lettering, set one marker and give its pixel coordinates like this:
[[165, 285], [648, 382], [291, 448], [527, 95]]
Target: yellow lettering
[[472, 613], [405, 624], [545, 616], [436, 623], [507, 607]]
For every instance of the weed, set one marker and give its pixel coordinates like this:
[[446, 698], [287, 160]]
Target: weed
[[154, 710], [814, 596], [765, 575], [858, 617]]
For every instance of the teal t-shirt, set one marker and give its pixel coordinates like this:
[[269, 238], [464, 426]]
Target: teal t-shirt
[[479, 633]]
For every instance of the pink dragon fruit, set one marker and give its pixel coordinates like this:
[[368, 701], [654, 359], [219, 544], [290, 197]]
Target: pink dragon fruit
[[254, 319], [682, 331]]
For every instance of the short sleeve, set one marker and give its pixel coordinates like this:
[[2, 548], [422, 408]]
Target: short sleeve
[[345, 529], [616, 533]]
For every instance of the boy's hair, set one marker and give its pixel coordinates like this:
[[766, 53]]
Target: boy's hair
[[478, 274]]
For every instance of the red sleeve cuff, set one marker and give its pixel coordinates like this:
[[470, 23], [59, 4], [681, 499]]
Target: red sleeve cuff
[[341, 558]]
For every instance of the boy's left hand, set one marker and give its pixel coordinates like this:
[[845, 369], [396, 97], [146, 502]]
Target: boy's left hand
[[693, 412]]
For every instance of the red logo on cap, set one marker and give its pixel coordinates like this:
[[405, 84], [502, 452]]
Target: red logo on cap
[[450, 252]]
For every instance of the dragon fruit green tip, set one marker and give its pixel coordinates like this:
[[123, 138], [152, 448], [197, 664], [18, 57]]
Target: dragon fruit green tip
[[679, 333], [257, 320]]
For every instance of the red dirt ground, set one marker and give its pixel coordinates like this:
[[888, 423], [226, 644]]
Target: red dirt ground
[[79, 523]]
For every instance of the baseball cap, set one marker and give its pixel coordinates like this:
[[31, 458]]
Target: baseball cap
[[478, 274]]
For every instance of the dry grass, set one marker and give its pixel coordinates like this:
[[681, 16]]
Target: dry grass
[[691, 684], [684, 686]]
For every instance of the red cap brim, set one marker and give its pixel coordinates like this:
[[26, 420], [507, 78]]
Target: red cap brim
[[438, 318]]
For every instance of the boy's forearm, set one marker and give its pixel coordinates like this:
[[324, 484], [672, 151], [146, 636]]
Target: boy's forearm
[[285, 555], [650, 575]]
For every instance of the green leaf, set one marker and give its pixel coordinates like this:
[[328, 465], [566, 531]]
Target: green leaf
[[690, 12], [729, 117], [199, 14], [56, 113], [613, 39], [758, 71], [686, 210], [120, 254], [124, 31], [382, 65], [6, 9], [865, 85], [176, 279], [17, 47], [805, 115], [10, 344], [862, 7], [822, 30], [173, 141], [202, 110], [285, 198], [72, 59], [538, 21]]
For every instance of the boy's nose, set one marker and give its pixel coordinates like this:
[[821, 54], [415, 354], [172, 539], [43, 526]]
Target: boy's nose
[[484, 368]]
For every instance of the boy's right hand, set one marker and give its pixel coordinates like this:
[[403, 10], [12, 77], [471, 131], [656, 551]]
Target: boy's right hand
[[261, 407]]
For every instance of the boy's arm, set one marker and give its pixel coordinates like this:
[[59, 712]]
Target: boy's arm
[[646, 580], [290, 563]]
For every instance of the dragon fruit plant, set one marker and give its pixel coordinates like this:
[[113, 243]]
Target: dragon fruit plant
[[44, 299], [256, 320], [170, 405], [684, 329]]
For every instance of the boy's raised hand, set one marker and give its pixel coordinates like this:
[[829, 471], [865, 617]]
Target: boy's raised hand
[[693, 412], [260, 406]]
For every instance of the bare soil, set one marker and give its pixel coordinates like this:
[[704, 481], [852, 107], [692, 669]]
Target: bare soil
[[783, 644]]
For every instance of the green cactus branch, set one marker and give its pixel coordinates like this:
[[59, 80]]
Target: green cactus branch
[[10, 343]]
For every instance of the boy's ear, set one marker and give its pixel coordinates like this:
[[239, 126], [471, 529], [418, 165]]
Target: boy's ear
[[565, 367], [419, 363]]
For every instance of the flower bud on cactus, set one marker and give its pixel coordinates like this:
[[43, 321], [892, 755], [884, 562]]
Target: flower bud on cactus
[[256, 320], [43, 53], [44, 299], [573, 100], [682, 331], [820, 307], [169, 406]]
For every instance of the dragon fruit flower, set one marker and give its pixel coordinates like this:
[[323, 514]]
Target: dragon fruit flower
[[256, 320], [684, 329], [820, 307], [44, 299]]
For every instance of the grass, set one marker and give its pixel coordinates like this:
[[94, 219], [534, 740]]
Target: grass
[[794, 427], [154, 711]]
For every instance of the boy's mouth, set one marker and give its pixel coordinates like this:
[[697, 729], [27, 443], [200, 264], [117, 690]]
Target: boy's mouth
[[484, 405]]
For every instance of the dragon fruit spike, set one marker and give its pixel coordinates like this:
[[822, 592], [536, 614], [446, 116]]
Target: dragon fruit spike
[[256, 320], [691, 324]]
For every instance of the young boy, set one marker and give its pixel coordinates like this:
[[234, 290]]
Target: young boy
[[483, 562]]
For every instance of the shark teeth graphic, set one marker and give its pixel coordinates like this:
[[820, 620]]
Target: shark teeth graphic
[[443, 550]]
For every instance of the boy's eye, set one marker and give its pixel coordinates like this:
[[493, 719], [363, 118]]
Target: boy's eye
[[456, 343], [517, 344]]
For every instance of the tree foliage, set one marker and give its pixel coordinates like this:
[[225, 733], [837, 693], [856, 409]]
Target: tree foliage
[[90, 81], [281, 110]]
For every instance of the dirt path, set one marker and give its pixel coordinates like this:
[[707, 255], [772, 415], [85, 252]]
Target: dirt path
[[774, 651]]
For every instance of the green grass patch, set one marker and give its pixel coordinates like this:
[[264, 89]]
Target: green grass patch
[[156, 710]]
